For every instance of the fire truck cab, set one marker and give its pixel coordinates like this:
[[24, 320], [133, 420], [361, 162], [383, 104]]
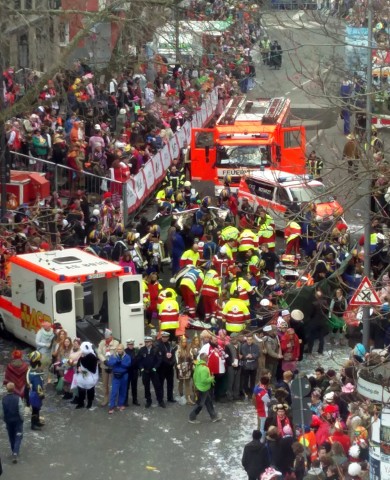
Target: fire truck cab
[[284, 194], [249, 135], [59, 286]]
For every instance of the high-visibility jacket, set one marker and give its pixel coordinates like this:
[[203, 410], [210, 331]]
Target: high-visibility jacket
[[145, 294], [309, 441], [247, 240], [168, 314], [267, 234], [189, 257], [193, 279], [293, 230], [229, 233], [254, 261], [212, 284], [229, 251], [161, 197], [243, 287], [163, 295], [235, 313], [268, 220], [373, 240]]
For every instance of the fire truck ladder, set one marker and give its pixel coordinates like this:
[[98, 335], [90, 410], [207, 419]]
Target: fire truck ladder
[[233, 108], [273, 110]]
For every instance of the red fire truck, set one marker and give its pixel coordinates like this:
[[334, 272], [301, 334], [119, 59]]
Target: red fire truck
[[249, 135]]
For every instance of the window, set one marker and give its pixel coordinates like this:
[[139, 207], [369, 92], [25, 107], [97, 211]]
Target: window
[[40, 291], [240, 156], [17, 4], [63, 33], [282, 196], [28, 4], [204, 139], [263, 190], [23, 51], [64, 301], [131, 292], [292, 139]]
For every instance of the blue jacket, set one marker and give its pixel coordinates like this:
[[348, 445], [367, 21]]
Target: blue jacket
[[119, 364], [13, 409]]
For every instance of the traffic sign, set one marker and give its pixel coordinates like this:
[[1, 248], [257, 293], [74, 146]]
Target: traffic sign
[[305, 415], [300, 387], [365, 294]]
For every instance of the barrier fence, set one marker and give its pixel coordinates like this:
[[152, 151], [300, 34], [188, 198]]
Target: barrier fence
[[132, 194]]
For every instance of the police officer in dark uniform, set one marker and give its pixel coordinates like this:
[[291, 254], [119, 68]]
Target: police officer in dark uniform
[[149, 360], [166, 369], [132, 373]]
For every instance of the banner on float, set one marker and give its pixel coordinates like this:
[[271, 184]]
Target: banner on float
[[140, 185], [159, 173], [181, 137], [131, 198], [174, 147], [149, 176], [165, 158]]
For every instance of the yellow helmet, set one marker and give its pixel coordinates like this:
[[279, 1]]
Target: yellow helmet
[[35, 356], [131, 237], [179, 197]]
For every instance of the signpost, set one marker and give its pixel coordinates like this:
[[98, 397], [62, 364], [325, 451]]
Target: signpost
[[300, 387]]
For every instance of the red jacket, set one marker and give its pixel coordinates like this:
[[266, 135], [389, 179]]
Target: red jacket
[[290, 344], [343, 438]]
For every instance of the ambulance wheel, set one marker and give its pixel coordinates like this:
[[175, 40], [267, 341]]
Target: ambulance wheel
[[3, 331]]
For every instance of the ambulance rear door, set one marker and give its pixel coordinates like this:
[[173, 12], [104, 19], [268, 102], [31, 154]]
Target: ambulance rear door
[[293, 151], [64, 308], [131, 308], [203, 155]]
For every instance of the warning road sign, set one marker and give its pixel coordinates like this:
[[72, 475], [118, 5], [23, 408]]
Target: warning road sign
[[365, 294]]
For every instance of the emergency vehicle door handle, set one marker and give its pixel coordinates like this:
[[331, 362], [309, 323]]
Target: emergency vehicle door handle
[[135, 310]]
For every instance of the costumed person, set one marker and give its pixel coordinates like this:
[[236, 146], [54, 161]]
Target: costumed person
[[15, 372], [43, 342], [279, 419], [35, 384], [107, 345], [184, 365], [87, 375], [120, 363], [290, 346]]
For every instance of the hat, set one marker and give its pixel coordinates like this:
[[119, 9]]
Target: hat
[[271, 282], [107, 333], [297, 315], [269, 474], [35, 356], [130, 340], [359, 350], [86, 348], [354, 451], [332, 409], [348, 388], [97, 127], [267, 328], [122, 111], [265, 302], [285, 312], [354, 469], [329, 397], [148, 339], [222, 250], [165, 334], [17, 354], [281, 323]]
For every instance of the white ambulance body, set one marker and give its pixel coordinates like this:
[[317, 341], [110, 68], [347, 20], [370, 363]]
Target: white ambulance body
[[52, 286]]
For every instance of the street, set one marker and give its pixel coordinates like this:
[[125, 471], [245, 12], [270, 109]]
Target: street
[[140, 444]]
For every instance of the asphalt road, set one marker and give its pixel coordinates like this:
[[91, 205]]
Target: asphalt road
[[140, 444]]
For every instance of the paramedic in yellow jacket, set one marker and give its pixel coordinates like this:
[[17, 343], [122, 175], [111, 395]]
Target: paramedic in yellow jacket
[[235, 313], [292, 235], [168, 314], [211, 290]]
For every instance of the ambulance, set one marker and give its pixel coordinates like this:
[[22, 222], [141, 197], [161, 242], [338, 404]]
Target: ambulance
[[248, 135], [284, 194], [59, 285]]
